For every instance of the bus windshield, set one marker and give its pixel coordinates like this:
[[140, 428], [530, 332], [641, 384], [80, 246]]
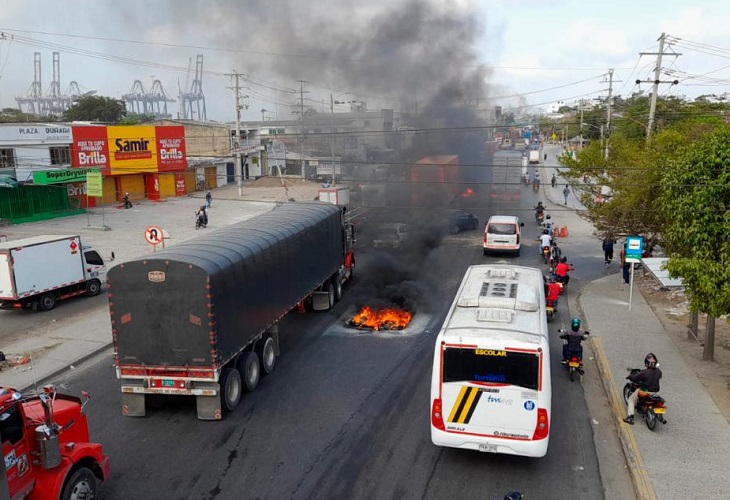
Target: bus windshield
[[491, 365]]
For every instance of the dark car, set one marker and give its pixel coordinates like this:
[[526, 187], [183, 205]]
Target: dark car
[[461, 220]]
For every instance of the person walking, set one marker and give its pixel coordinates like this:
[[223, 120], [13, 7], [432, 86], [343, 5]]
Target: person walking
[[209, 199], [625, 266], [608, 250], [566, 192], [553, 180]]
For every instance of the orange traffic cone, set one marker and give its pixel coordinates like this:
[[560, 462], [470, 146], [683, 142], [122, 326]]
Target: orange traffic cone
[[563, 231]]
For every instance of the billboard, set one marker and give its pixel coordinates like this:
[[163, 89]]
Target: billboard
[[119, 150]]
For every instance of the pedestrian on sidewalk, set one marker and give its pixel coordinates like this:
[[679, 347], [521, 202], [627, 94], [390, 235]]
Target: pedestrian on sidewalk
[[544, 158], [566, 192], [553, 180], [625, 266], [608, 250], [209, 199]]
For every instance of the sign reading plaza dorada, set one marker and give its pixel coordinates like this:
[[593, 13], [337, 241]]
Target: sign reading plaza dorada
[[34, 132], [59, 176], [129, 149]]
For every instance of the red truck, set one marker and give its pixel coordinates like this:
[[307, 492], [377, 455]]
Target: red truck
[[45, 443]]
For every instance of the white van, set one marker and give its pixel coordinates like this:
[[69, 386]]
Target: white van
[[503, 234]]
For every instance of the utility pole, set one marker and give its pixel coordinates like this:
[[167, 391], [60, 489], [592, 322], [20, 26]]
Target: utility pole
[[608, 113], [656, 82], [239, 171], [301, 128]]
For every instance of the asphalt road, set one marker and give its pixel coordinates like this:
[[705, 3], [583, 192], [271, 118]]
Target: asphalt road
[[345, 414]]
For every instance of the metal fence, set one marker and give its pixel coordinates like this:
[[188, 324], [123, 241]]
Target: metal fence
[[34, 203]]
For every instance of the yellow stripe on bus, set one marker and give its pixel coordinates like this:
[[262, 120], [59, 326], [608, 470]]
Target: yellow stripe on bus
[[473, 391], [457, 403]]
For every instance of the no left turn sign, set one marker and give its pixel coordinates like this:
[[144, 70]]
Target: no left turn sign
[[153, 235]]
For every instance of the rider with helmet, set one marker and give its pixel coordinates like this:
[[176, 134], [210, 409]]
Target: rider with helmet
[[648, 382], [546, 240], [552, 293], [574, 337], [202, 216], [561, 271]]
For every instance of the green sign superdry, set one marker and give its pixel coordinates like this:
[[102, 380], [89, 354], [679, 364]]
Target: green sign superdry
[[58, 176]]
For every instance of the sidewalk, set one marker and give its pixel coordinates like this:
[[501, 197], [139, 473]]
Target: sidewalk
[[688, 457], [55, 341]]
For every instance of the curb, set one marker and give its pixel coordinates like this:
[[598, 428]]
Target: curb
[[46, 378], [639, 474]]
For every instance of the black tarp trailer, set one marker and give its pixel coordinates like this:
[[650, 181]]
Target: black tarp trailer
[[200, 318]]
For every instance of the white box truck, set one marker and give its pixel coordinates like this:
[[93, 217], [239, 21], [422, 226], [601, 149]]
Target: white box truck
[[37, 272], [336, 195]]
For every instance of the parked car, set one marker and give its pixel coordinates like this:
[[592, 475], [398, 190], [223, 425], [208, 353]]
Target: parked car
[[461, 220], [392, 235]]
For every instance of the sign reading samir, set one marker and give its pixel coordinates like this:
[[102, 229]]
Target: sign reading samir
[[35, 132]]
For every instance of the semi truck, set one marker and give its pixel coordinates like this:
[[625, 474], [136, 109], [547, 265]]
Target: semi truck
[[45, 443], [201, 318], [506, 177], [38, 271]]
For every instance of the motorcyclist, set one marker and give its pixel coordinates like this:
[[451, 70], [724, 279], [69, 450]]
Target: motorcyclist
[[202, 216], [648, 382], [125, 200], [546, 240], [548, 223], [539, 210], [555, 254], [561, 271], [553, 293], [574, 337]]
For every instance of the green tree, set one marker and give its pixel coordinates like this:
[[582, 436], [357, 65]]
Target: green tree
[[696, 237], [13, 115], [137, 118], [96, 108]]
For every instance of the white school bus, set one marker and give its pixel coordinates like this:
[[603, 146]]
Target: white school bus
[[490, 387]]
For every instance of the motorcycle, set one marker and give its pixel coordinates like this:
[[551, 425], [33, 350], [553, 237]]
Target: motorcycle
[[539, 216], [126, 202], [574, 363], [545, 254], [201, 221], [550, 307], [650, 407], [536, 186]]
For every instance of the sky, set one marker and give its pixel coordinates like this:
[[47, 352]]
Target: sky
[[404, 54]]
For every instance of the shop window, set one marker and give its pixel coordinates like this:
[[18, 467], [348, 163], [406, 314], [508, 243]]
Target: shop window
[[7, 158], [60, 155]]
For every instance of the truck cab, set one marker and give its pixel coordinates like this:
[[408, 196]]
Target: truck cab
[[45, 444]]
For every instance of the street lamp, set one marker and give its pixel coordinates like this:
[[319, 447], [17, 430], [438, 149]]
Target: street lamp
[[263, 114], [333, 101]]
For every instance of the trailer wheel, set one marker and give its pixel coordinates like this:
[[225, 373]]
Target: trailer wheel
[[93, 288], [250, 369], [267, 355], [47, 302], [80, 485], [331, 295], [231, 388], [338, 288]]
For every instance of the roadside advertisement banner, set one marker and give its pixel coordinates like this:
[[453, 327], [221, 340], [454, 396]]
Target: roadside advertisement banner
[[90, 148], [94, 184], [58, 176], [132, 149], [171, 148]]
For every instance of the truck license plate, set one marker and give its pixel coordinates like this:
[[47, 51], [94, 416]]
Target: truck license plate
[[168, 383]]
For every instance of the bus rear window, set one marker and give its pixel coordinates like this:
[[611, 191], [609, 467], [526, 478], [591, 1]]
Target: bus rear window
[[502, 229], [491, 365]]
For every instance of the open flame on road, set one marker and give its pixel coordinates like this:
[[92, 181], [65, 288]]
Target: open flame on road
[[381, 319]]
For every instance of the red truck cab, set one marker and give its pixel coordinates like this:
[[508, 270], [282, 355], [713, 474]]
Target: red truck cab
[[45, 444]]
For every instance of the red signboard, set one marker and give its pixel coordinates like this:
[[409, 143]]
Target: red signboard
[[171, 148], [90, 148], [180, 189]]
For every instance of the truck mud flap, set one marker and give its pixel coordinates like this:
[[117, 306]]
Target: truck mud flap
[[133, 405], [209, 407]]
